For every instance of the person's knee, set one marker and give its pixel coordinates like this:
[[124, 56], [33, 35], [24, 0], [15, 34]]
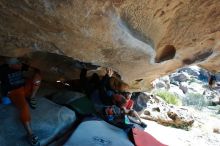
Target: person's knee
[[131, 111], [37, 78]]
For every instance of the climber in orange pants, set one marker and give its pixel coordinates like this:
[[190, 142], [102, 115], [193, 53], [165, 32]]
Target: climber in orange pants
[[15, 87], [28, 91]]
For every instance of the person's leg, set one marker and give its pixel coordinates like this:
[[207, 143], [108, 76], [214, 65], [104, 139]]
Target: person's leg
[[84, 82], [31, 88], [36, 83], [136, 115], [94, 83], [142, 124], [17, 96]]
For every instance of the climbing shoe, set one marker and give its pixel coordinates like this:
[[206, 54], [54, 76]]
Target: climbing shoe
[[33, 102], [143, 125], [33, 140]]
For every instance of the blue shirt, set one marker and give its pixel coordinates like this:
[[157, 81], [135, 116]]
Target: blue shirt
[[11, 78]]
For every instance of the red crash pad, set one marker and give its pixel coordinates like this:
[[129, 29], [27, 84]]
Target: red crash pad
[[142, 138]]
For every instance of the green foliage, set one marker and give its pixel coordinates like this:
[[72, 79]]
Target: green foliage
[[168, 97], [195, 99]]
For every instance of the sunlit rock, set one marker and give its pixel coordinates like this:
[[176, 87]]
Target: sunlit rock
[[159, 111], [141, 40]]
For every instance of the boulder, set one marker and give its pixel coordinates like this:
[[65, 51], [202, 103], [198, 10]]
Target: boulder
[[142, 40], [217, 76], [140, 101], [183, 87], [216, 130], [203, 75], [193, 70], [179, 77], [215, 101], [162, 83], [176, 90], [169, 115]]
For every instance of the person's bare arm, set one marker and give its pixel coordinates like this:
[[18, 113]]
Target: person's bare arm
[[109, 72], [126, 111]]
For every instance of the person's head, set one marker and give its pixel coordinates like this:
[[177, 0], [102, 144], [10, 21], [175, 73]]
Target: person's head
[[14, 63], [118, 85]]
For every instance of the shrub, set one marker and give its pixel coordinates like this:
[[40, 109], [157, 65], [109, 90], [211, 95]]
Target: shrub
[[195, 99], [168, 97]]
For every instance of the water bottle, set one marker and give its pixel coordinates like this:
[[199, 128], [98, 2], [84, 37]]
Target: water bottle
[[6, 100], [127, 121]]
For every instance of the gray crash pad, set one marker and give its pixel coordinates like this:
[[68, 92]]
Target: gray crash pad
[[98, 133], [66, 97], [75, 101], [49, 121]]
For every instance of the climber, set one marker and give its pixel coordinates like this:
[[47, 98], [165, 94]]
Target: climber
[[15, 88], [89, 85], [211, 80], [111, 85], [125, 102]]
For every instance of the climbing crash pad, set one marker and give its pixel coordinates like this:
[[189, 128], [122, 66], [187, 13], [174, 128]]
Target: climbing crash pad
[[98, 133], [75, 101], [142, 138], [66, 97], [83, 106], [49, 121]]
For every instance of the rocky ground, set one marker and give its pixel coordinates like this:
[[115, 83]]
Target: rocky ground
[[197, 118], [173, 136], [193, 126]]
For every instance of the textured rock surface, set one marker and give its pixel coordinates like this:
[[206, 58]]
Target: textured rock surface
[[168, 115], [116, 33]]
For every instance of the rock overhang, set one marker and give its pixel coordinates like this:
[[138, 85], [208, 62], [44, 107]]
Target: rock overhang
[[140, 40]]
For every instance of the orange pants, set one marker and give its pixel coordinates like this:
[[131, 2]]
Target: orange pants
[[18, 97]]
